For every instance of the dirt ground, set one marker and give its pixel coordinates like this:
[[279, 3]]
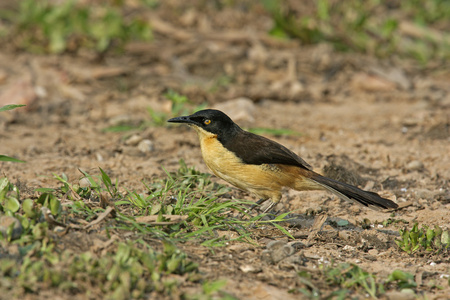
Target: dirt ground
[[386, 120]]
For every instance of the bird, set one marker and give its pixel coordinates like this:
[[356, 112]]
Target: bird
[[261, 166]]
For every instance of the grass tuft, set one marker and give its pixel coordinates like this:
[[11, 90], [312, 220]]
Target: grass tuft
[[423, 240], [377, 27], [45, 26]]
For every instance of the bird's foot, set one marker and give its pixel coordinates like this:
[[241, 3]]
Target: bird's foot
[[247, 211], [267, 210]]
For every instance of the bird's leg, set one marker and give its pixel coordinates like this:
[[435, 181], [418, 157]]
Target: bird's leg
[[271, 205], [258, 203]]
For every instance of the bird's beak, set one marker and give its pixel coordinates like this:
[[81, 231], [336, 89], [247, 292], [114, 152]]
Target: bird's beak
[[184, 119]]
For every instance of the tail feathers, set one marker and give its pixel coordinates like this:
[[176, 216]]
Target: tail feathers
[[349, 192]]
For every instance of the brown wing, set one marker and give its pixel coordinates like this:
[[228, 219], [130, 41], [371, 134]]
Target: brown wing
[[256, 150]]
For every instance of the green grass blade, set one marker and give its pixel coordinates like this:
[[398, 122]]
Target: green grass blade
[[10, 107], [12, 159], [282, 229]]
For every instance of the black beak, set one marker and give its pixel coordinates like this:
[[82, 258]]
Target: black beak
[[184, 119]]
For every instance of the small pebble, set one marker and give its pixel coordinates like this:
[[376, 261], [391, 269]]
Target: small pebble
[[344, 235], [373, 252], [414, 165], [99, 156], [275, 244], [6, 221], [133, 140], [146, 146], [249, 269], [240, 109], [59, 229], [277, 251]]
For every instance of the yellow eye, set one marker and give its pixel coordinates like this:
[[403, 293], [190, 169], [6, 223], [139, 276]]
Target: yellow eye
[[207, 122]]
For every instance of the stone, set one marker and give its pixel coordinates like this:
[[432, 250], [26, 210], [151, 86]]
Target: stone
[[6, 222], [133, 140], [239, 110], [414, 165], [146, 146]]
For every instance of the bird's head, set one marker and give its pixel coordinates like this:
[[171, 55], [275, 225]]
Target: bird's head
[[210, 120]]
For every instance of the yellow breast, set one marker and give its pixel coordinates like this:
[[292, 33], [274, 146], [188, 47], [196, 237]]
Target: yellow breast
[[262, 180]]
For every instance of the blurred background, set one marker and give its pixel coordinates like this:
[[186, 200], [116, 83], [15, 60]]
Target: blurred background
[[72, 52]]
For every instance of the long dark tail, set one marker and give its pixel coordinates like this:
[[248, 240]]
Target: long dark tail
[[350, 192]]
